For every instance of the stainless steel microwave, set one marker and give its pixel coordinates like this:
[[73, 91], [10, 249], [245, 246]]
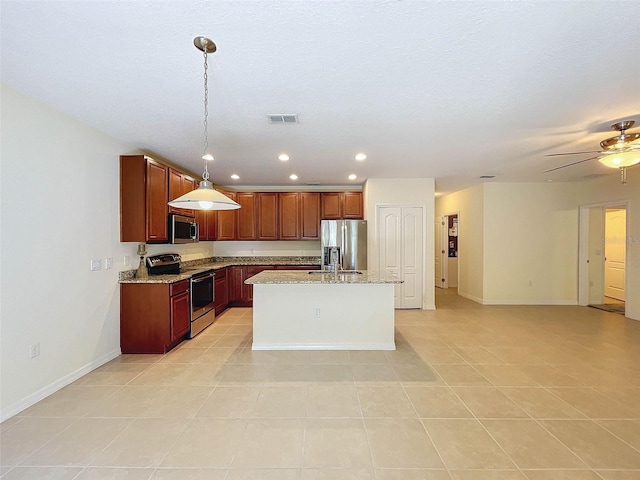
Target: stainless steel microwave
[[182, 229]]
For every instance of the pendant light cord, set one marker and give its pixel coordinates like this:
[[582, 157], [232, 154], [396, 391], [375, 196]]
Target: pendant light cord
[[205, 175]]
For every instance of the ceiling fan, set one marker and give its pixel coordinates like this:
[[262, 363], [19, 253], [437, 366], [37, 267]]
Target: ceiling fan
[[621, 151]]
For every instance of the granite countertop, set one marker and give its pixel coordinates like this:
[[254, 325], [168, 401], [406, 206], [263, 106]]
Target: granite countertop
[[316, 277], [192, 267]]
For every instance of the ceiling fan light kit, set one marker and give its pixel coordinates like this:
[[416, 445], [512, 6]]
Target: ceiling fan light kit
[[205, 197], [621, 151]]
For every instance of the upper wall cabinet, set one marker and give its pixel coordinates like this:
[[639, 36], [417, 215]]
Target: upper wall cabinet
[[227, 220], [309, 215], [289, 215], [143, 199], [267, 203], [179, 184], [207, 224], [246, 221], [339, 205]]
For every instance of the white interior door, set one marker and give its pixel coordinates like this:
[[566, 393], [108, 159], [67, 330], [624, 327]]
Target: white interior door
[[412, 251], [400, 230], [614, 253]]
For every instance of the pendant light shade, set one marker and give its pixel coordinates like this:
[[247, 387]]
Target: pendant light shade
[[205, 197]]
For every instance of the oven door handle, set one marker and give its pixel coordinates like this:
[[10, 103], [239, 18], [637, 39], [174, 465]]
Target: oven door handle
[[202, 279]]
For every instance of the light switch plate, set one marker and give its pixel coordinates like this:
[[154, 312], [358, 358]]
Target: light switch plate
[[95, 265]]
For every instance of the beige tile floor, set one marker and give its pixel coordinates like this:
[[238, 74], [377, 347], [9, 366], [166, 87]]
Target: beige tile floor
[[472, 392]]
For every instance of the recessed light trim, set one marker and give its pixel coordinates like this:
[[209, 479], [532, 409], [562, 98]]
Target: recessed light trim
[[360, 157], [293, 176], [283, 157], [235, 176]]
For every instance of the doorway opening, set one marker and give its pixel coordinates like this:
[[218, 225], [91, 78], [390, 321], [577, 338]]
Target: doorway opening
[[603, 238], [446, 248]]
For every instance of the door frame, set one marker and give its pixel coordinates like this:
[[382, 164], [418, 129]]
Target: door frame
[[445, 247], [583, 246]]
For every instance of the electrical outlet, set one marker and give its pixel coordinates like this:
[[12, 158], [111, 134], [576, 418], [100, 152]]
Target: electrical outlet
[[34, 350], [108, 263], [316, 313], [96, 265], [126, 260]]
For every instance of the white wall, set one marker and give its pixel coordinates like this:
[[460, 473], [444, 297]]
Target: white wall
[[609, 190], [403, 191], [59, 210], [469, 205], [530, 243]]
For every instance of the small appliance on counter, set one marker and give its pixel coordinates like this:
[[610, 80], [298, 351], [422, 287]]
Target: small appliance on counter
[[201, 291], [164, 264]]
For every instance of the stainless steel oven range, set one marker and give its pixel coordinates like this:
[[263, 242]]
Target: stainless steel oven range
[[201, 290], [203, 311]]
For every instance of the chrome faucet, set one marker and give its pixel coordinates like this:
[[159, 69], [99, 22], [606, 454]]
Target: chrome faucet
[[334, 256]]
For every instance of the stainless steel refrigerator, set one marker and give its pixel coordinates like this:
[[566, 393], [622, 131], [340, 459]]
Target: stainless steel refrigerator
[[344, 242]]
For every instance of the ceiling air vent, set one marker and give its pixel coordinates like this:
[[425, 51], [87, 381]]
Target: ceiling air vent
[[283, 118]]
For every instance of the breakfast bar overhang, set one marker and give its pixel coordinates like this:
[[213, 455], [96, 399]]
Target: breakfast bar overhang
[[298, 310]]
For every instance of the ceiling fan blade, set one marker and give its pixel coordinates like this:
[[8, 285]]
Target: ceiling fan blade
[[569, 164], [570, 153]]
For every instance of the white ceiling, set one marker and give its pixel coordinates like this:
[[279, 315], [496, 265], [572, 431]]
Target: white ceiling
[[450, 90]]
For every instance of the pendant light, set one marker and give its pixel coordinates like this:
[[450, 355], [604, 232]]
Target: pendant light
[[205, 197]]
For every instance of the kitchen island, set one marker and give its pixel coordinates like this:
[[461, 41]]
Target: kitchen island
[[300, 310]]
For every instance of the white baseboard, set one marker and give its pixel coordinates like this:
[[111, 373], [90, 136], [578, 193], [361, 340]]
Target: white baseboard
[[44, 392], [470, 297], [369, 346], [530, 302]]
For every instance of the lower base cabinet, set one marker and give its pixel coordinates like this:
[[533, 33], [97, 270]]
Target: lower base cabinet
[[240, 294], [154, 317], [221, 291]]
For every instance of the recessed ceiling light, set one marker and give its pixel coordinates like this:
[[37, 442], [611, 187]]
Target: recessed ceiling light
[[353, 176], [293, 176], [283, 157], [360, 157], [235, 177]]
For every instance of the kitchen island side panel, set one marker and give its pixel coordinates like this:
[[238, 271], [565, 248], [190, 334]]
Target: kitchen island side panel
[[323, 317]]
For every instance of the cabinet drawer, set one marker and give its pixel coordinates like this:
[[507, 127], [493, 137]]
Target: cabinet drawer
[[178, 287]]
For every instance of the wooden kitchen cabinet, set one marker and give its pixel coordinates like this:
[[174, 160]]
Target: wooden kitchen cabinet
[[207, 223], [240, 294], [180, 309], [342, 205], [179, 184], [331, 205], [267, 203], [352, 205], [154, 317], [246, 219], [309, 215], [221, 291], [227, 221], [143, 200], [289, 215]]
